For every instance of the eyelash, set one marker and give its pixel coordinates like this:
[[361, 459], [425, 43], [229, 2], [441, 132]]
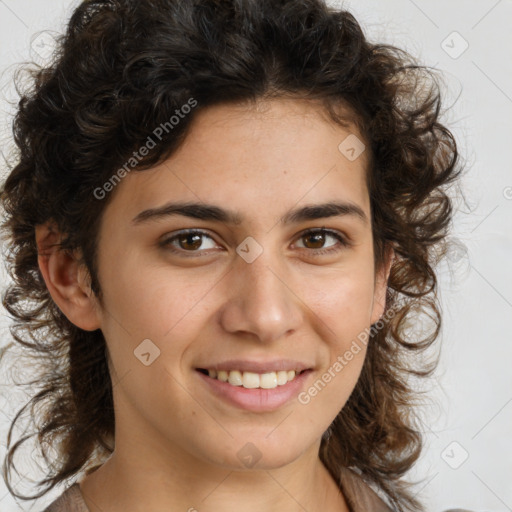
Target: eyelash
[[316, 252]]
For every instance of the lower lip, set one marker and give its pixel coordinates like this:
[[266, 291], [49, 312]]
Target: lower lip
[[257, 400]]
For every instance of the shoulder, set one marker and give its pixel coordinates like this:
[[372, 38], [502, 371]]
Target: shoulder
[[360, 495], [366, 497], [69, 501]]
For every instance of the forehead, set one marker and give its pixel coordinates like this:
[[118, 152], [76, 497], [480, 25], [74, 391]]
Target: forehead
[[259, 160]]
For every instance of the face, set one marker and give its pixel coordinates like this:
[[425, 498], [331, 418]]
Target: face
[[250, 279]]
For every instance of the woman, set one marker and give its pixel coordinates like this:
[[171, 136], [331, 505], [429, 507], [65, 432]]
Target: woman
[[226, 215]]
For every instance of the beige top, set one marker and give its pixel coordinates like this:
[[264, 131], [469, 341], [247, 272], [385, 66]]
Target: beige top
[[359, 496]]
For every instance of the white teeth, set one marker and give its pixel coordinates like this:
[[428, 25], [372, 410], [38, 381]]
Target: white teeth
[[235, 378], [221, 375], [251, 380], [282, 378], [269, 380]]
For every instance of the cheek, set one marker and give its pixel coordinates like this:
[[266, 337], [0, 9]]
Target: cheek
[[343, 301], [330, 389], [331, 386], [142, 305], [344, 305], [151, 301]]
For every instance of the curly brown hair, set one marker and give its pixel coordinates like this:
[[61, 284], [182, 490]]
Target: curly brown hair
[[124, 67]]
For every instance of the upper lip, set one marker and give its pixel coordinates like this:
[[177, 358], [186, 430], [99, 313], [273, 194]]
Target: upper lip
[[244, 365]]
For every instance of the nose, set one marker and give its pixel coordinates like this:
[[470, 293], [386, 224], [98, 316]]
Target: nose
[[262, 301]]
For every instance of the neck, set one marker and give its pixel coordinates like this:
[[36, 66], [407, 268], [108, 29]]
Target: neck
[[150, 483]]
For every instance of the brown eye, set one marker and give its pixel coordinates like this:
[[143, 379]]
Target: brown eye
[[315, 241], [192, 241]]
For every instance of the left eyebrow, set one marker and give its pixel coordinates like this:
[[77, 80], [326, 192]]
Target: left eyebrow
[[211, 212]]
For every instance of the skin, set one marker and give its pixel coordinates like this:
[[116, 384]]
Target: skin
[[176, 443]]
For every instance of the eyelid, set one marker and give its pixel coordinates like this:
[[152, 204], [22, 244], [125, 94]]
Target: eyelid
[[342, 238], [168, 238], [329, 231]]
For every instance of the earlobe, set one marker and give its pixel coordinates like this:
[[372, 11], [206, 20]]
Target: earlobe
[[65, 279]]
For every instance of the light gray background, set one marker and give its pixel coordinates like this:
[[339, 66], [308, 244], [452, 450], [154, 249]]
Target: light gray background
[[473, 386]]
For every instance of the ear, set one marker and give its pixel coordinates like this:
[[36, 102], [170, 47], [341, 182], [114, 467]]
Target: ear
[[66, 280], [381, 286]]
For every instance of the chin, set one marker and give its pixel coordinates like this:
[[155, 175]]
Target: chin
[[260, 451]]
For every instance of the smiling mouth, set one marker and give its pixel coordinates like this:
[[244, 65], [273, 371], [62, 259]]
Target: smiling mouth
[[251, 380]]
